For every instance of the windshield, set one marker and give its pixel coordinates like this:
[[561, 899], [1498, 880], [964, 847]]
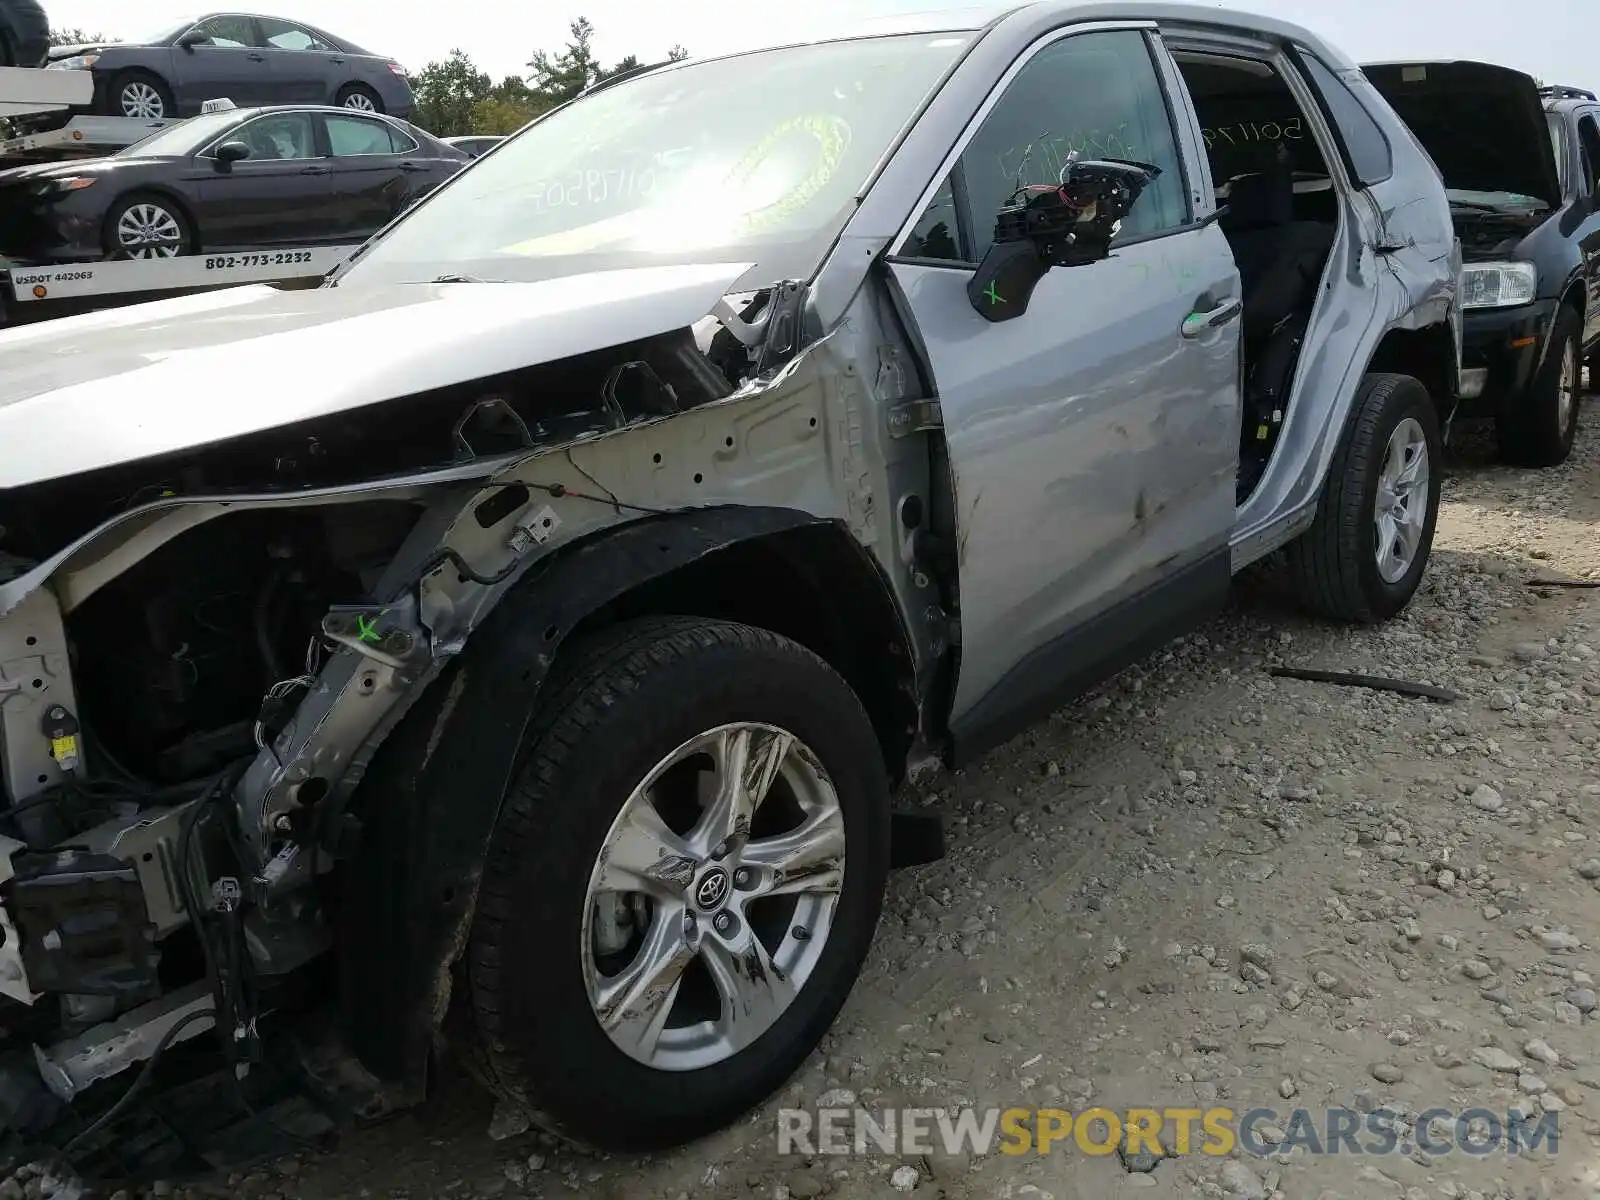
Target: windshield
[[756, 158], [1558, 139], [182, 139]]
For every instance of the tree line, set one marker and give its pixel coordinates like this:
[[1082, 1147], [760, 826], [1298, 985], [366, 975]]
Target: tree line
[[455, 97]]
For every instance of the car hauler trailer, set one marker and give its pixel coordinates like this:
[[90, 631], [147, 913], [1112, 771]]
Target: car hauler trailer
[[34, 291]]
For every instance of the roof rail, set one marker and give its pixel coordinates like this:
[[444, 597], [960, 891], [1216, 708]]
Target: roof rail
[[1557, 91]]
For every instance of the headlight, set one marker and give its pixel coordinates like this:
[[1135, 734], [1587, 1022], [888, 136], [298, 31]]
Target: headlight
[[52, 187], [78, 62], [1498, 285]]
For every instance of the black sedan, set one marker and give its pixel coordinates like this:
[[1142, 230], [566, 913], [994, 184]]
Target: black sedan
[[247, 58], [239, 179]]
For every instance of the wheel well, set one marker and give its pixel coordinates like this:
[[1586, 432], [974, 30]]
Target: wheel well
[[1574, 296], [1427, 355], [815, 585]]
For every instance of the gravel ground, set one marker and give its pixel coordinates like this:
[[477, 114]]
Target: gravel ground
[[1203, 885]]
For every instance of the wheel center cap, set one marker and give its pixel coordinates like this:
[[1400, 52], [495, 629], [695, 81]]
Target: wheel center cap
[[712, 890]]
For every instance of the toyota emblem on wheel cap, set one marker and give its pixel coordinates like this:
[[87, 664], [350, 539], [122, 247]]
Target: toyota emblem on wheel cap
[[712, 889]]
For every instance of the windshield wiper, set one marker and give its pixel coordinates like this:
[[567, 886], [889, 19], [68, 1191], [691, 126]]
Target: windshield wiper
[[456, 278]]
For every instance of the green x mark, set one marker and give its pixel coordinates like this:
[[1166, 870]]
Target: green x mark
[[367, 629], [994, 296]]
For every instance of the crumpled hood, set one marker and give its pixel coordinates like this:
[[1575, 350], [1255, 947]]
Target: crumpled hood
[[80, 393], [1483, 125]]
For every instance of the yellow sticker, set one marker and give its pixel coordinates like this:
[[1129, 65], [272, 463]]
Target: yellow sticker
[[64, 750]]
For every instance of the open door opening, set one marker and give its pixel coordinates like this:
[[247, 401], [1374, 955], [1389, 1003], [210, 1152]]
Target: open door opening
[[1280, 213]]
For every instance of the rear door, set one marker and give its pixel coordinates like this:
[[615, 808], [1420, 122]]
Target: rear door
[[302, 64], [1588, 232], [279, 196], [377, 171], [1094, 439], [231, 64]]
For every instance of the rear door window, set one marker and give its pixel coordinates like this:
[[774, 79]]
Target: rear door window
[[351, 137], [1362, 142]]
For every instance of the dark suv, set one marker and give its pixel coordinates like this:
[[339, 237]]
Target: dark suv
[[1520, 163], [24, 34]]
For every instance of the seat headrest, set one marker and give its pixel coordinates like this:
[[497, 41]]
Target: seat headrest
[[1263, 199]]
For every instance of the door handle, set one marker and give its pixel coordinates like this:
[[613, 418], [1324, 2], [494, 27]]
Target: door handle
[[412, 166], [1197, 323], [313, 170], [256, 57], [338, 62]]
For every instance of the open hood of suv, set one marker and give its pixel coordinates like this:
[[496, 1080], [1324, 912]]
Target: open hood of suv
[[1484, 125]]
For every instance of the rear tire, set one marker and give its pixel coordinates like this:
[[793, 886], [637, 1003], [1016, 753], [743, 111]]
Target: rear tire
[[1342, 567], [1539, 428], [578, 820], [359, 97]]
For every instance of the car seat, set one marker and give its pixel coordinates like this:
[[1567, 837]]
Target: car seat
[[1280, 264]]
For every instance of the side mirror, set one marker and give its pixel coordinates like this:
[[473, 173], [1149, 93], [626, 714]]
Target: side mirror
[[192, 38], [232, 152], [1068, 225]]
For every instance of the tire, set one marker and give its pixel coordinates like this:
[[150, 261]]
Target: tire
[[140, 94], [1335, 564], [1539, 428], [155, 214], [626, 702], [360, 97]]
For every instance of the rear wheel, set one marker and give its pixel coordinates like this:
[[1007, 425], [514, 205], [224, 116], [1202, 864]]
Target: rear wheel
[[682, 886], [147, 226], [140, 94], [1538, 429], [359, 97], [1365, 553]]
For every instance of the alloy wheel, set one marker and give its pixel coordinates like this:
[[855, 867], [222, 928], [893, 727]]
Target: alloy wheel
[[147, 230], [360, 101], [142, 100], [1400, 508], [713, 897]]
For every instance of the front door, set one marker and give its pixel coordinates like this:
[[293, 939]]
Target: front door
[[229, 65], [279, 196], [1094, 439]]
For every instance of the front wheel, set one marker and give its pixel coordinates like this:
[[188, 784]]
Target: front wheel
[[1538, 429], [140, 95], [682, 886], [147, 226], [1365, 553]]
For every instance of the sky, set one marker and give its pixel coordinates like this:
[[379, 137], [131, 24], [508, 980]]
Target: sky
[[1553, 39]]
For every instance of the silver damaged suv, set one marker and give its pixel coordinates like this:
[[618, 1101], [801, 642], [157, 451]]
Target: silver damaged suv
[[512, 645]]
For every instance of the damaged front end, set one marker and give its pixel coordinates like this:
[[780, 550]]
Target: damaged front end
[[226, 892]]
